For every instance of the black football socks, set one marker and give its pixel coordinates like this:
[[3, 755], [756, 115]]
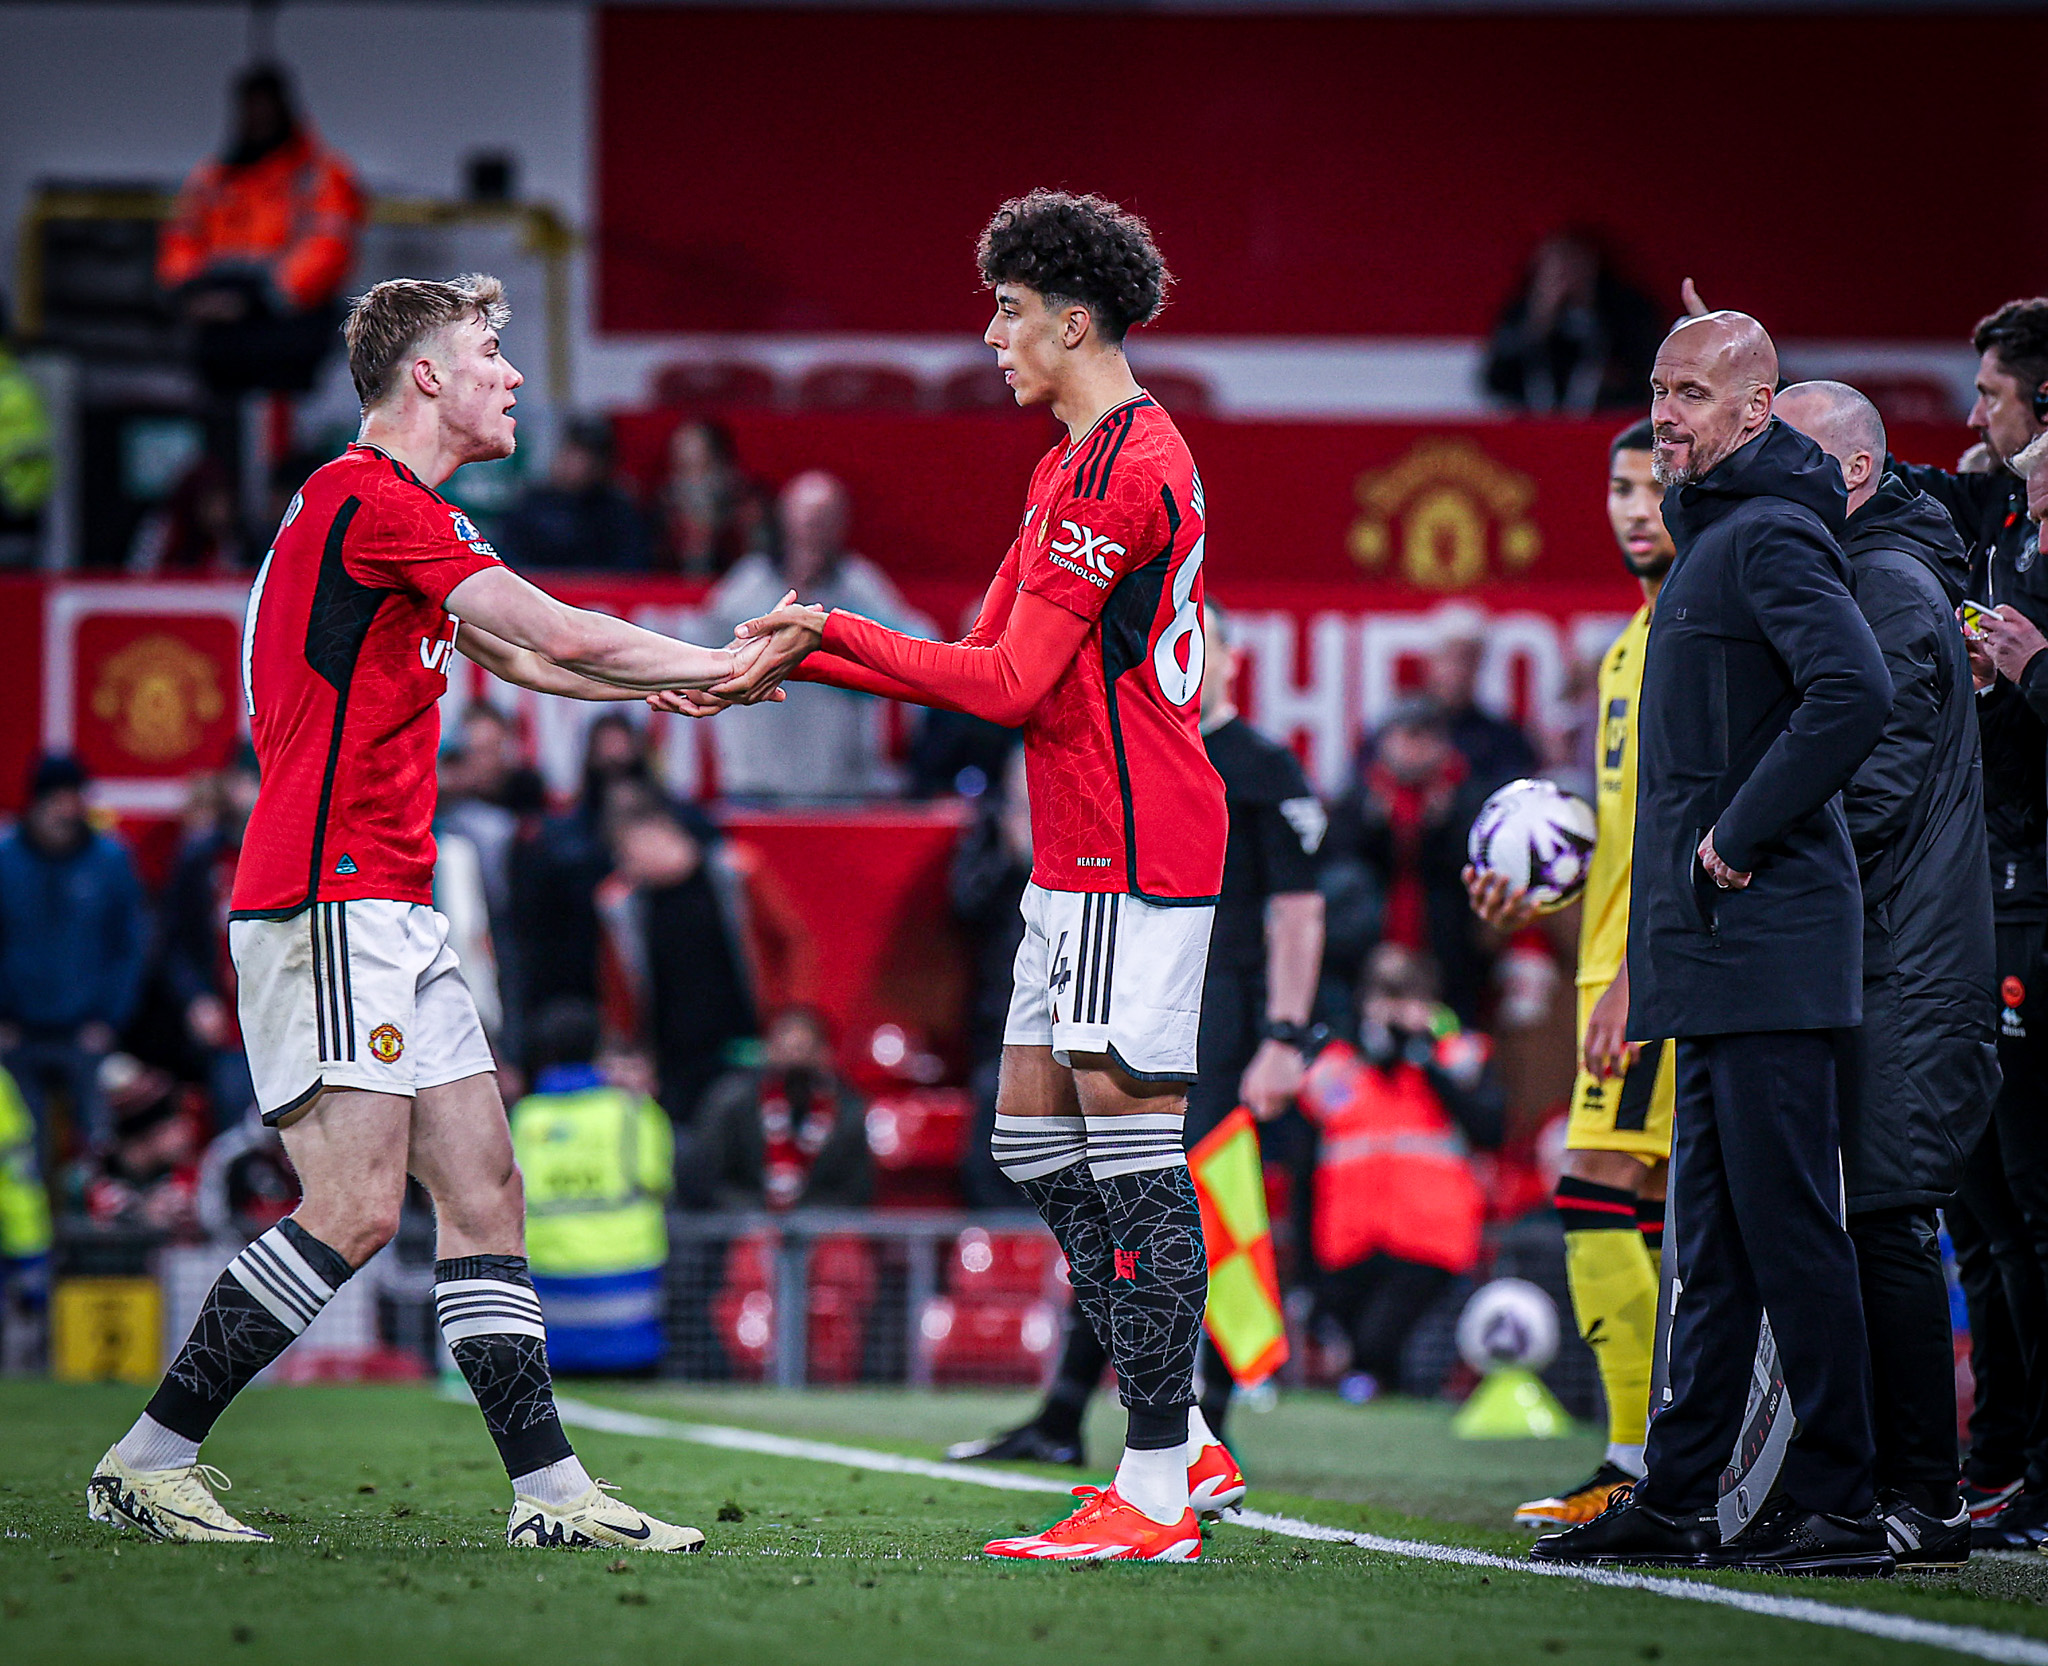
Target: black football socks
[[267, 1296], [492, 1321]]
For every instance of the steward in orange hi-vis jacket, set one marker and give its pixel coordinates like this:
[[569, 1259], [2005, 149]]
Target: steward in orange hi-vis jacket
[[277, 205], [1394, 1119]]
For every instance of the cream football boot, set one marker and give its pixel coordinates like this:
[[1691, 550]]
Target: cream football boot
[[594, 1521], [165, 1503]]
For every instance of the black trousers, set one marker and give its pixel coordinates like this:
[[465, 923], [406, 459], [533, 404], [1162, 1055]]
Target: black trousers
[[2002, 1291], [2005, 1195], [1912, 1359], [1379, 1301], [1756, 1185]]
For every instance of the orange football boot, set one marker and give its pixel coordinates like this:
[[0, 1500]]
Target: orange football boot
[[1106, 1529], [1215, 1483]]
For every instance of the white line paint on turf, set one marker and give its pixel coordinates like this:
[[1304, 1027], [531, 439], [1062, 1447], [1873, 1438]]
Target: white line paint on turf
[[1895, 1628]]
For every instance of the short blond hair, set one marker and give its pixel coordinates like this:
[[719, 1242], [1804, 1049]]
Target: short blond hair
[[390, 320]]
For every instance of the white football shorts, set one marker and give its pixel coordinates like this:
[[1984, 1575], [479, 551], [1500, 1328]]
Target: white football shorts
[[353, 995], [1106, 973]]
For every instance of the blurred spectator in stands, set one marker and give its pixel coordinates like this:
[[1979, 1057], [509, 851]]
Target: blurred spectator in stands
[[1494, 748], [991, 867], [193, 931], [24, 1236], [198, 529], [72, 929], [598, 1160], [246, 1183], [712, 512], [462, 898], [556, 868], [1395, 849], [675, 952], [482, 781], [28, 471], [149, 1176], [788, 1132], [1576, 337], [260, 244], [578, 516], [492, 764], [1396, 1210], [822, 742]]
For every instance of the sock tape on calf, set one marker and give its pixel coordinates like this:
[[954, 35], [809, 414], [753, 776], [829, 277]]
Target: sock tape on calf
[[492, 1320], [264, 1300]]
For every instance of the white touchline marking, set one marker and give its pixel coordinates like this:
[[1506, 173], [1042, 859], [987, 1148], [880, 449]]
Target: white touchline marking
[[1895, 1628]]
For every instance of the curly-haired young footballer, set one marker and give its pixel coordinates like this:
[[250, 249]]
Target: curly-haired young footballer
[[363, 1041], [1091, 640]]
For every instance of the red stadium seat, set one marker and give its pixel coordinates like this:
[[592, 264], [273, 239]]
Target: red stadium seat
[[857, 387], [917, 1138], [1181, 392], [987, 1264], [989, 1339], [713, 385], [842, 1288]]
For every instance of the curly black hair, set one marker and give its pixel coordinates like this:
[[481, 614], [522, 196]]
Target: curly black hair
[[1081, 251], [2019, 332]]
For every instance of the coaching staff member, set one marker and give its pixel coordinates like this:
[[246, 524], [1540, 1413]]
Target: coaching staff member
[[1763, 691], [1927, 1052]]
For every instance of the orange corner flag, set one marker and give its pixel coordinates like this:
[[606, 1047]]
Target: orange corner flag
[[1244, 1318]]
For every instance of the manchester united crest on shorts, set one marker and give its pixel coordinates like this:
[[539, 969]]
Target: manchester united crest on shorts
[[386, 1044]]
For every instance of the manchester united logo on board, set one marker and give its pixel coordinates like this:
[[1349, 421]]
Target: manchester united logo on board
[[1444, 516], [386, 1044], [158, 694]]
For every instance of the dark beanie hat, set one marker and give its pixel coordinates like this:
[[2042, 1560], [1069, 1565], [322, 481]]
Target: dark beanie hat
[[55, 772]]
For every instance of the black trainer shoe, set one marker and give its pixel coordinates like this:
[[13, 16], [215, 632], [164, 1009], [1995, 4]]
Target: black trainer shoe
[[1029, 1444], [2021, 1525], [1984, 1501], [1786, 1537], [1920, 1538], [1632, 1534]]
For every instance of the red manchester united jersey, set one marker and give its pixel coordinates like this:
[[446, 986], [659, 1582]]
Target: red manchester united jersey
[[344, 657], [1123, 797]]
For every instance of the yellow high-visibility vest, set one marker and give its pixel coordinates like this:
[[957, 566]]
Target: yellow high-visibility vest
[[598, 1163], [24, 1204], [1245, 1319]]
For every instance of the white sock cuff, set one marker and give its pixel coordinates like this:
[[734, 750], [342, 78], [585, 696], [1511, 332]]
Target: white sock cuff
[[561, 1482], [1031, 1147], [470, 1307], [149, 1445], [1136, 1144], [274, 1272]]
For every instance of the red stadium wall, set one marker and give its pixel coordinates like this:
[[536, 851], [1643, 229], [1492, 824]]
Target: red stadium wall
[[1331, 541], [1312, 175]]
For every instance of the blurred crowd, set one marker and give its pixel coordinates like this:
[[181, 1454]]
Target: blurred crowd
[[624, 909]]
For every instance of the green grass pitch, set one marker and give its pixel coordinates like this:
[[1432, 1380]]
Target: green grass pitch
[[389, 1511]]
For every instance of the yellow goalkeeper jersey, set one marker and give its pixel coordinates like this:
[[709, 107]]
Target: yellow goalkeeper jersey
[[1603, 928]]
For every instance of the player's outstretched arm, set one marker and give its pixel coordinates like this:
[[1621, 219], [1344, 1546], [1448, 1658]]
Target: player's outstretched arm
[[591, 646], [1003, 681], [527, 669]]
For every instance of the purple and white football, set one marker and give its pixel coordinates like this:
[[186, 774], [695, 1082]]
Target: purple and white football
[[1538, 837]]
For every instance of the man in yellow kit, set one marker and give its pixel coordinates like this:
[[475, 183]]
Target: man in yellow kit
[[1610, 1195]]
